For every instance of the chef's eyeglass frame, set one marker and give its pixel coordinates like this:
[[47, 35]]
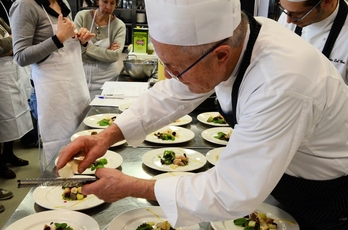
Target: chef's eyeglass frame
[[176, 77], [285, 11]]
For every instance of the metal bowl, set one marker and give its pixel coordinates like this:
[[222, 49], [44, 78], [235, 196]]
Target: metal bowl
[[139, 68]]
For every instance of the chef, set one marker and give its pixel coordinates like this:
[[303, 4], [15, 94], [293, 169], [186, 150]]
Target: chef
[[324, 24], [44, 36], [290, 121]]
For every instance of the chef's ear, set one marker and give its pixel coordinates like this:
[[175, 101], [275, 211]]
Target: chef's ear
[[223, 53]]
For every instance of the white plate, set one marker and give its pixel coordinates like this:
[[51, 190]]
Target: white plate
[[209, 135], [76, 220], [171, 174], [152, 160], [213, 155], [183, 120], [88, 133], [50, 197], [183, 135], [92, 121], [114, 161], [284, 220], [130, 220], [203, 117], [125, 106]]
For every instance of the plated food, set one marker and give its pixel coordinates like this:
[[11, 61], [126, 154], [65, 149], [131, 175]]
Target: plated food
[[100, 121], [131, 220], [170, 135], [213, 155], [93, 132], [212, 118], [50, 197], [113, 159], [37, 221], [282, 219], [212, 135], [183, 120], [153, 158]]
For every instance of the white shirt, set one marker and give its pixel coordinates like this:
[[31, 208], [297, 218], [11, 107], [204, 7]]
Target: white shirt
[[317, 34], [291, 118]]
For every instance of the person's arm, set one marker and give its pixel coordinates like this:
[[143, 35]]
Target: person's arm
[[6, 46], [33, 38], [100, 54]]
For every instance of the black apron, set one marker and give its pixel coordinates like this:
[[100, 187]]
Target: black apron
[[335, 30], [319, 205]]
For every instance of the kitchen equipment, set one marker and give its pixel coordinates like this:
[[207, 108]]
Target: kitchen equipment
[[64, 182], [139, 68]]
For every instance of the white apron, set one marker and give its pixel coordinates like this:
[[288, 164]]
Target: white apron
[[62, 95], [15, 119], [100, 72]]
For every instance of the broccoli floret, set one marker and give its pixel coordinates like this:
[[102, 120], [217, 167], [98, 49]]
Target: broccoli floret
[[145, 226]]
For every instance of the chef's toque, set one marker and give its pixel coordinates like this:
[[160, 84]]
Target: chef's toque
[[192, 22]]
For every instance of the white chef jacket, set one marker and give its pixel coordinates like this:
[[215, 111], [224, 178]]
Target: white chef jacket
[[317, 34], [292, 118]]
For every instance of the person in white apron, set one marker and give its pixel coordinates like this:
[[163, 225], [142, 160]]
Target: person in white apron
[[104, 50], [62, 95], [15, 120]]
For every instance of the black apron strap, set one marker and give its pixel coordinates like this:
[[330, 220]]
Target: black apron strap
[[335, 30], [298, 31], [254, 32]]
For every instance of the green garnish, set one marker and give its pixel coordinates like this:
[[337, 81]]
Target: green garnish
[[98, 164], [63, 226]]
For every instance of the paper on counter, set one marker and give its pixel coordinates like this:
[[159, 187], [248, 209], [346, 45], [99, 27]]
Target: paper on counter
[[127, 91], [111, 102], [124, 88]]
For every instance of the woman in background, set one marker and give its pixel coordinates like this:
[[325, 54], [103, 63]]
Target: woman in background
[[105, 49], [45, 37], [15, 120]]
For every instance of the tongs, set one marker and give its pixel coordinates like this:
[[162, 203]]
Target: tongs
[[64, 182]]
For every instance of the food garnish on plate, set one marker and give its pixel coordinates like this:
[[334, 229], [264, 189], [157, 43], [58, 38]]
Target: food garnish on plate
[[256, 221], [223, 136], [57, 226], [217, 119], [169, 157], [72, 193], [106, 121], [169, 135], [165, 225], [71, 167]]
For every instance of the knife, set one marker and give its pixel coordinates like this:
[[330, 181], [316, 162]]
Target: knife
[[64, 182]]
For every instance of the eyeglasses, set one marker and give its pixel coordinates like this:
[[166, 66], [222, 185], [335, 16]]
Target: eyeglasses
[[193, 64], [98, 32], [296, 18]]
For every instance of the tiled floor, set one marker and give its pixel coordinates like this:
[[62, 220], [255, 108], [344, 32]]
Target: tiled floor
[[30, 171]]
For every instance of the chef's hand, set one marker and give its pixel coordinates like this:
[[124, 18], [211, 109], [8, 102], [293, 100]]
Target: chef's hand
[[92, 147], [113, 185], [84, 35], [66, 28], [114, 46]]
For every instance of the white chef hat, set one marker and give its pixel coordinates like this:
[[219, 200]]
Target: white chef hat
[[192, 22]]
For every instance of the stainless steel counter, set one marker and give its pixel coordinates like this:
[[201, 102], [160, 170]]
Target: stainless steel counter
[[132, 165]]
